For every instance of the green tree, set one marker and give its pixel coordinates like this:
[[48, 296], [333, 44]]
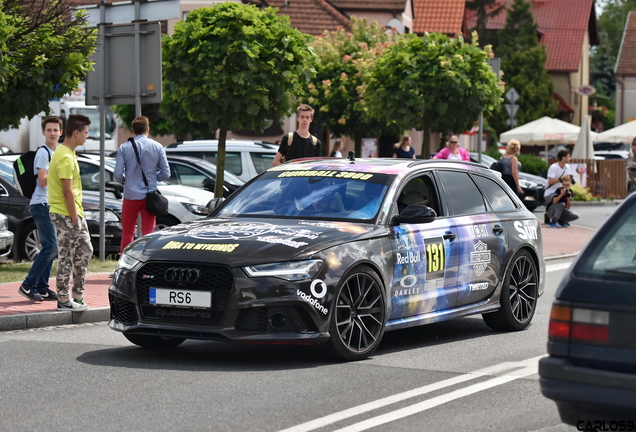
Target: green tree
[[334, 90], [523, 63], [612, 22], [234, 67], [602, 68], [485, 9], [431, 82], [44, 54]]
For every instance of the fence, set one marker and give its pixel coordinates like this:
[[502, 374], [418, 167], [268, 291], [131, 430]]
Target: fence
[[606, 177]]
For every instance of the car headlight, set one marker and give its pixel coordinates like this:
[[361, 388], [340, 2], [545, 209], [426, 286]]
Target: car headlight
[[109, 215], [4, 222], [291, 271], [126, 262], [197, 209]]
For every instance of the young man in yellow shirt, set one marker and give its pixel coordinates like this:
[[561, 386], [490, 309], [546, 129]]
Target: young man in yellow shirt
[[67, 214]]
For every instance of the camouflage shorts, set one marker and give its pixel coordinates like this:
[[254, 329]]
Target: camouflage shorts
[[74, 252]]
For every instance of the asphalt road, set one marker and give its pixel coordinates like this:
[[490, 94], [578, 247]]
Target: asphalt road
[[457, 375]]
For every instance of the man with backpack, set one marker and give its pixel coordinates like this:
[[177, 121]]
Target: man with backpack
[[299, 144], [36, 285]]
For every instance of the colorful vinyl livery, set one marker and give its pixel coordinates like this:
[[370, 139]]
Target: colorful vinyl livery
[[336, 252]]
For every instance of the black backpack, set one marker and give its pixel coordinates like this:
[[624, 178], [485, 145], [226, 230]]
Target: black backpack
[[497, 166], [23, 175]]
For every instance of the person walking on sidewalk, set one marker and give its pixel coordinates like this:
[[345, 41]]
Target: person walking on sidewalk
[[67, 214], [304, 143], [559, 212], [36, 285], [128, 172]]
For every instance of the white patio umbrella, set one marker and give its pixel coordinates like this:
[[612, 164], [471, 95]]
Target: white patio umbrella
[[546, 131], [623, 133], [584, 147]]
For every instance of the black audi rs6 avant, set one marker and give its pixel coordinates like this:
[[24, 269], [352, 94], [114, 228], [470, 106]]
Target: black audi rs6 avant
[[336, 252]]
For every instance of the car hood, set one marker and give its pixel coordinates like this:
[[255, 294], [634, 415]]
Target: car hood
[[247, 241], [189, 193]]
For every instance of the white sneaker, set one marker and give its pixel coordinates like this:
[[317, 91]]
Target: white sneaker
[[71, 305]]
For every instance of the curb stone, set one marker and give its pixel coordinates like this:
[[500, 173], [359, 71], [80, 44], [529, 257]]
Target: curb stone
[[53, 318]]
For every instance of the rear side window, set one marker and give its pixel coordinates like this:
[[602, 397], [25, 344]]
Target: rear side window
[[262, 161], [499, 199], [463, 195], [232, 161], [613, 256]]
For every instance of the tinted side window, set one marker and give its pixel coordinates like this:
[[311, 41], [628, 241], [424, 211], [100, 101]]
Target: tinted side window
[[232, 161], [262, 161], [498, 198], [89, 175], [181, 174], [462, 193]]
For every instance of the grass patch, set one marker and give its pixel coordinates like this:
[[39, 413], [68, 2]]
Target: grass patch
[[17, 272]]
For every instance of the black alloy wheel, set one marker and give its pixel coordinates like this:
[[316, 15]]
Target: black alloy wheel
[[358, 321], [518, 295], [156, 342]]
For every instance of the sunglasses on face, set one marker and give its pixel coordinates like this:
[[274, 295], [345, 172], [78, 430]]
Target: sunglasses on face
[[453, 142]]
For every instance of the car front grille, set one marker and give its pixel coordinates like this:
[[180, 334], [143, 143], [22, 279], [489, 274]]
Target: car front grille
[[122, 310], [253, 320], [216, 279]]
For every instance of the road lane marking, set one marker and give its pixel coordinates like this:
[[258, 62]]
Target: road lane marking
[[531, 363], [557, 267]]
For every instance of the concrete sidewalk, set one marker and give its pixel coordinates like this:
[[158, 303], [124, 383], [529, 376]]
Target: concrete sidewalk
[[16, 312]]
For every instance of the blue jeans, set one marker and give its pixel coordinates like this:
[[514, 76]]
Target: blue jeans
[[40, 272]]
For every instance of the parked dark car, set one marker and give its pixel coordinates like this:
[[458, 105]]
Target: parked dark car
[[533, 186], [336, 252], [194, 172], [26, 244], [591, 369]]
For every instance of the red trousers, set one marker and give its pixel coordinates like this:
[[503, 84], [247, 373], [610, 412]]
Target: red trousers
[[129, 211]]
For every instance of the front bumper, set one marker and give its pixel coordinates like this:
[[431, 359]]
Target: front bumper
[[254, 310], [6, 243], [586, 394]]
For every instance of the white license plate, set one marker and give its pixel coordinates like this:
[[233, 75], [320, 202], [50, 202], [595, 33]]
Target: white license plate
[[3, 243], [183, 298]]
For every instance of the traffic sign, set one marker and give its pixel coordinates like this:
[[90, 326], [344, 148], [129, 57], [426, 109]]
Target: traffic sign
[[512, 109], [511, 122], [124, 12], [512, 95]]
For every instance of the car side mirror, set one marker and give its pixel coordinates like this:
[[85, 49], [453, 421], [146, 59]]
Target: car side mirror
[[214, 203], [115, 187], [415, 214], [208, 184]]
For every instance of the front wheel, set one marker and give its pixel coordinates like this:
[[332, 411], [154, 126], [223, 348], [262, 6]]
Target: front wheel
[[518, 295], [358, 321], [156, 342]]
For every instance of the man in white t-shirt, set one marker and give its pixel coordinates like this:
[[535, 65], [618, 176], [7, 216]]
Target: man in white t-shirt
[[555, 172]]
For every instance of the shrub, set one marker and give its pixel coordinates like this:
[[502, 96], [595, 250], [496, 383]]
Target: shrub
[[493, 152], [580, 193], [532, 164]]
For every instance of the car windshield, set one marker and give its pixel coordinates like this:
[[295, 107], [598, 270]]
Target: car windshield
[[613, 256], [319, 194]]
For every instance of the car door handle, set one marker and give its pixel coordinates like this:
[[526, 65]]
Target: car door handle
[[498, 229], [450, 236]]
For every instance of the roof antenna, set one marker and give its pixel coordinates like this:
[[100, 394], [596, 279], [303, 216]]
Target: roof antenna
[[352, 156]]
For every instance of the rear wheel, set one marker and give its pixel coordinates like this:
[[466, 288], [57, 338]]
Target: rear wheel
[[358, 321], [158, 342], [518, 295]]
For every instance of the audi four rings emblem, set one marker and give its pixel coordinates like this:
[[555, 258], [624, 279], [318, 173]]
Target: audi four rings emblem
[[179, 274]]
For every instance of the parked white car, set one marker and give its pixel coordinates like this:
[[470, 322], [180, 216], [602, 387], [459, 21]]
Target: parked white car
[[244, 158], [6, 237], [185, 203]]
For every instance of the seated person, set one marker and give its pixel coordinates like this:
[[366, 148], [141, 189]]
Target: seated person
[[321, 197]]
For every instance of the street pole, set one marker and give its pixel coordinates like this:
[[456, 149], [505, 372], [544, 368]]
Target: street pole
[[102, 130]]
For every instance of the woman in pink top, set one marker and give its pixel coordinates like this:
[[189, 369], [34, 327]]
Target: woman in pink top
[[453, 151]]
